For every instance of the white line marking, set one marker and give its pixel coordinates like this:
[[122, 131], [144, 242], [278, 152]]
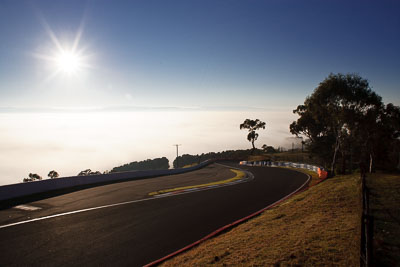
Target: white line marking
[[73, 212], [112, 205]]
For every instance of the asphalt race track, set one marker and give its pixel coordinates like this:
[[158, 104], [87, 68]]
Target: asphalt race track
[[137, 232]]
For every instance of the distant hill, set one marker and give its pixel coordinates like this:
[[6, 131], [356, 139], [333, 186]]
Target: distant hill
[[149, 164]]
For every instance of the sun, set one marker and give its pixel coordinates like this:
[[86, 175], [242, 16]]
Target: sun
[[66, 58], [68, 62]]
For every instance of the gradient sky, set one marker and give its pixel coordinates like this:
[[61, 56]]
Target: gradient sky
[[267, 54]]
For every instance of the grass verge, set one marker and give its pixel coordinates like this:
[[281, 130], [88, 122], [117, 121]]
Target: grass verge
[[320, 226], [384, 206]]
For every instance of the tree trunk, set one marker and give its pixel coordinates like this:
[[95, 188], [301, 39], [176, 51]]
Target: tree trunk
[[254, 148], [343, 162], [370, 162], [334, 156], [351, 158]]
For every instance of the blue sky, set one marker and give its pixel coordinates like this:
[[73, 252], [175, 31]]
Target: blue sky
[[268, 54]]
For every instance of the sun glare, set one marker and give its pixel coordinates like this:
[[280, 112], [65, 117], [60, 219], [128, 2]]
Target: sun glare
[[68, 62], [67, 57]]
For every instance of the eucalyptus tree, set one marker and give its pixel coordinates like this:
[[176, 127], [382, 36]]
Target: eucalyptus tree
[[379, 131], [334, 112], [252, 126]]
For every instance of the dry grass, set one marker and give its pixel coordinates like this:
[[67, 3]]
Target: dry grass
[[318, 227], [384, 206]]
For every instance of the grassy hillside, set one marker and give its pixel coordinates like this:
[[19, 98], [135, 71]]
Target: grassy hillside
[[320, 226]]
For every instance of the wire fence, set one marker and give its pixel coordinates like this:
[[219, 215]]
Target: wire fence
[[367, 227]]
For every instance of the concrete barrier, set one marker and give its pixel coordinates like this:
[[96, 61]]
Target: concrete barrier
[[12, 191]]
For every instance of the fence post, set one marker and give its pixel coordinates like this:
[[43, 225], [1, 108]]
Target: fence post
[[367, 227]]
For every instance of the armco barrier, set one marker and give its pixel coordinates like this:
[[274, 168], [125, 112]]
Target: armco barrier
[[316, 169], [29, 188]]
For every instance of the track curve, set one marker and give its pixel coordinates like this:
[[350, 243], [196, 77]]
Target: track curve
[[139, 233]]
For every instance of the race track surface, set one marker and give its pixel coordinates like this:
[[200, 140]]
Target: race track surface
[[140, 231]]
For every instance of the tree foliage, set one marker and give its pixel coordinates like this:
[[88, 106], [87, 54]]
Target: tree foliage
[[252, 126], [149, 164], [268, 149], [88, 172], [32, 177], [53, 174], [345, 119]]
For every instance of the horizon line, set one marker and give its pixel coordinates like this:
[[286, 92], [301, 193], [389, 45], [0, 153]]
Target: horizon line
[[93, 109]]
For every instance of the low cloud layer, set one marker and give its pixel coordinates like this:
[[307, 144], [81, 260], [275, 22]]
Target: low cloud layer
[[71, 142]]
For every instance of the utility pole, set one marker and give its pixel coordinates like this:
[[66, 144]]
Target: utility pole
[[302, 143], [177, 154]]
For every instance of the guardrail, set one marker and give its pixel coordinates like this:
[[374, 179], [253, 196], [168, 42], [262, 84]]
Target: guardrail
[[13, 191], [321, 172]]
